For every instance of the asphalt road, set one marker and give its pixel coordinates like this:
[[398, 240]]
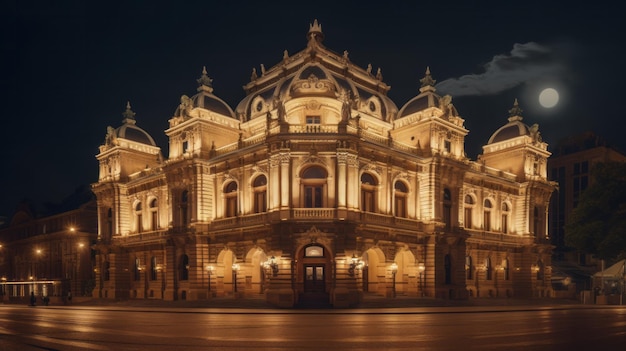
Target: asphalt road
[[576, 327]]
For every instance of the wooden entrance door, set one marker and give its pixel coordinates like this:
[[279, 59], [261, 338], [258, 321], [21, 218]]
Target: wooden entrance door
[[314, 280]]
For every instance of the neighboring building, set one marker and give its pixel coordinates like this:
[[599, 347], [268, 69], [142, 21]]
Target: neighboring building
[[570, 166], [49, 254], [318, 187]]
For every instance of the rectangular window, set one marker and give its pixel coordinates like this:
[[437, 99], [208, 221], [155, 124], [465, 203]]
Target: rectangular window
[[312, 196], [155, 221], [487, 220], [313, 120], [139, 223], [468, 218], [447, 145]]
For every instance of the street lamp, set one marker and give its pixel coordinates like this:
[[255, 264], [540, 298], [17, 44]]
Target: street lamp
[[209, 270], [394, 270], [354, 262], [235, 268], [420, 268]]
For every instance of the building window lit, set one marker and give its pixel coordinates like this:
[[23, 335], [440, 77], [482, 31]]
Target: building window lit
[[487, 215], [184, 201], [137, 270], [153, 268], [400, 199], [488, 273], [469, 267], [505, 218], [230, 199], [313, 120], [368, 192], [447, 208], [260, 194], [154, 215], [184, 267], [505, 267], [468, 209], [313, 186], [107, 271], [138, 218]]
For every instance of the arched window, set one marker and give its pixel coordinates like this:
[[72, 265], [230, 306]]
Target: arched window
[[109, 229], [505, 218], [313, 187], [368, 192], [184, 267], [138, 218], [447, 208], [537, 222], [448, 269], [488, 269], [154, 215], [400, 199], [184, 203], [259, 188], [487, 215], [505, 268], [153, 268], [137, 270], [468, 209], [107, 271], [230, 199]]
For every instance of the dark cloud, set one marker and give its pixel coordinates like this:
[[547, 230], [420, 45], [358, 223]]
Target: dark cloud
[[525, 63]]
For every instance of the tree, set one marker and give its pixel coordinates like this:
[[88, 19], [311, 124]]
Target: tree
[[598, 224]]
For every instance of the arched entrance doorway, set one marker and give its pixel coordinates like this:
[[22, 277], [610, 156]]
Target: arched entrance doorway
[[314, 274]]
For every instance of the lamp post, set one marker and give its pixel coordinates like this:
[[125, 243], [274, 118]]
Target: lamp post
[[235, 268], [420, 268], [209, 270], [394, 270]]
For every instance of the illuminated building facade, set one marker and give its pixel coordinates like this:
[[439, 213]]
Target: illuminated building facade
[[318, 187]]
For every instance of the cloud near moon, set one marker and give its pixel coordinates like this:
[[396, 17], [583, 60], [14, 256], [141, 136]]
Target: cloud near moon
[[525, 63]]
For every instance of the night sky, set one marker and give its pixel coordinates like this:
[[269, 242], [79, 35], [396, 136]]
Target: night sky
[[69, 67]]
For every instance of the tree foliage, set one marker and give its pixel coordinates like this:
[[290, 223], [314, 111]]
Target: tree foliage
[[598, 224]]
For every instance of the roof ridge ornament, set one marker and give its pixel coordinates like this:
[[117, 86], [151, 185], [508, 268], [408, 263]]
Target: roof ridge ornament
[[315, 32], [129, 114], [515, 113], [204, 82]]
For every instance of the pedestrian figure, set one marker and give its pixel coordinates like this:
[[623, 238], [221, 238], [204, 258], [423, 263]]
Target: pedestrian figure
[[33, 299], [46, 300]]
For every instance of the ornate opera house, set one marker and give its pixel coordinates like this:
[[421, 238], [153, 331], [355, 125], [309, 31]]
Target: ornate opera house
[[317, 186]]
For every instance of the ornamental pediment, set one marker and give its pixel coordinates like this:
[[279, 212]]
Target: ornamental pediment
[[313, 86]]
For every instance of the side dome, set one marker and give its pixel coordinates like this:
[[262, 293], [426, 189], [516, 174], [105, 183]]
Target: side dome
[[513, 129], [427, 98], [129, 130], [204, 99]]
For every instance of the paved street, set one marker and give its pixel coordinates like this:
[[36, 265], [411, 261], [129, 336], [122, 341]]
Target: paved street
[[510, 325]]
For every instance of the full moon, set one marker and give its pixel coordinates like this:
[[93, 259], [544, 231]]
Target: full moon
[[549, 98]]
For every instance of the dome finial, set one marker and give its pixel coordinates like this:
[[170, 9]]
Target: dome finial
[[204, 82], [428, 79], [516, 111], [129, 115]]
